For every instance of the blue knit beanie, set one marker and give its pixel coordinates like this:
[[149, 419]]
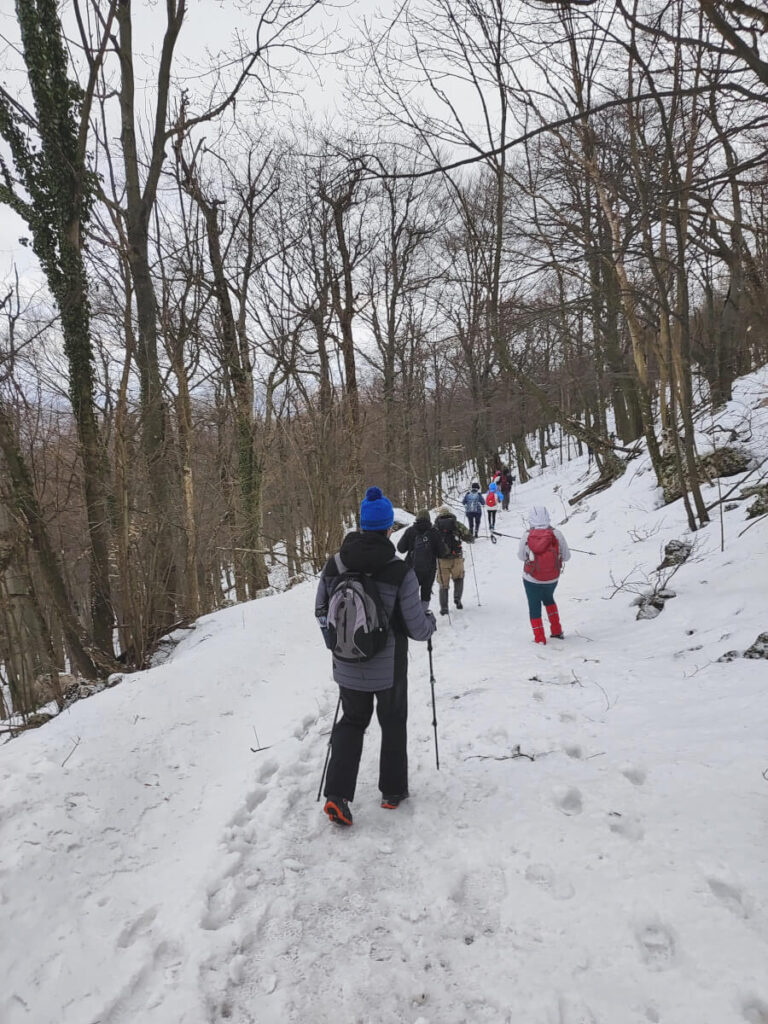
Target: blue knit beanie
[[376, 512]]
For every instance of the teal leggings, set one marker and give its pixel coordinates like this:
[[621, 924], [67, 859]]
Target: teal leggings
[[539, 594]]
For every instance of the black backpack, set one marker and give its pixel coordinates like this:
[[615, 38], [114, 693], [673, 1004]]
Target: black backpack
[[358, 624], [422, 555], [450, 543]]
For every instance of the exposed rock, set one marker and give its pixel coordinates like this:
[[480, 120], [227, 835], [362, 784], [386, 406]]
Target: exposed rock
[[759, 648], [759, 506], [37, 719], [727, 461], [730, 656], [651, 605], [79, 691], [757, 651], [675, 553]]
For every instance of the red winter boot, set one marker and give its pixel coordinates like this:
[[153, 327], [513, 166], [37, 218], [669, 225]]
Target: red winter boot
[[555, 629], [539, 636]]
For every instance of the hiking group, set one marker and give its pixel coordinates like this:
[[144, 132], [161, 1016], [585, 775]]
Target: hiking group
[[369, 603]]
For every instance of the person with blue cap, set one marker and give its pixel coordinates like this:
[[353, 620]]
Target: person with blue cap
[[366, 583]]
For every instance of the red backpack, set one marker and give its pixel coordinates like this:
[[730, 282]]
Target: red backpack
[[546, 563], [491, 499]]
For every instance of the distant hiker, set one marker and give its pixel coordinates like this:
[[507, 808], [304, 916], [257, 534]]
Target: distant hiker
[[492, 504], [421, 546], [543, 549], [473, 502], [367, 606], [450, 565], [505, 484]]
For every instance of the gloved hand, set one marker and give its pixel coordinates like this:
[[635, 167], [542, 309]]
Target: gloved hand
[[432, 619], [322, 621]]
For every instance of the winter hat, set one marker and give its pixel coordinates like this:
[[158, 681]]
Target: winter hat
[[475, 487], [422, 514], [539, 518], [444, 511], [376, 512]]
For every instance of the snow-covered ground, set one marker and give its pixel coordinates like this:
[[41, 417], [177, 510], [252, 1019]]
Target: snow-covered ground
[[618, 874]]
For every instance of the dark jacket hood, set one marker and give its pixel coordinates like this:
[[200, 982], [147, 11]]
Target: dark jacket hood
[[366, 551]]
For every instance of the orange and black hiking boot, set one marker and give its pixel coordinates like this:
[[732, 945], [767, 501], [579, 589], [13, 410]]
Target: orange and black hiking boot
[[391, 802], [337, 809]]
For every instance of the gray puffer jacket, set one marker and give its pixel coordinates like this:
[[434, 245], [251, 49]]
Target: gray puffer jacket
[[374, 553]]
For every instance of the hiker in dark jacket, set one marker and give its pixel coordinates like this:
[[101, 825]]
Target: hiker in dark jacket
[[450, 565], [505, 485], [474, 502], [385, 675], [421, 546], [543, 549]]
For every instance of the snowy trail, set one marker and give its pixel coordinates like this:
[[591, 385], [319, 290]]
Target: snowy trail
[[504, 889], [167, 875]]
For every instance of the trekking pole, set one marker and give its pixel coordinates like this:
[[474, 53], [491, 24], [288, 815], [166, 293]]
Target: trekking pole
[[580, 551], [472, 557], [434, 712], [328, 751]]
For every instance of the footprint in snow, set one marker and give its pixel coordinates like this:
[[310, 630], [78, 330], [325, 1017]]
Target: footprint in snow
[[657, 946], [572, 1010], [574, 750], [267, 771], [544, 877], [626, 825], [755, 1011], [139, 927], [636, 776], [300, 732], [569, 800], [730, 896]]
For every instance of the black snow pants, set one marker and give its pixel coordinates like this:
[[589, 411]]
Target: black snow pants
[[347, 739], [426, 582]]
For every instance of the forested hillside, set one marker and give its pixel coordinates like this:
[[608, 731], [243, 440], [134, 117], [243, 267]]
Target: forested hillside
[[331, 248]]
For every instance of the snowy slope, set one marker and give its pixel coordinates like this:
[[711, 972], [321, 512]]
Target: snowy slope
[[167, 874]]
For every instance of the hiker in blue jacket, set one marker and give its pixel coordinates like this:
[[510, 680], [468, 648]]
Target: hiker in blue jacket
[[474, 503], [369, 551]]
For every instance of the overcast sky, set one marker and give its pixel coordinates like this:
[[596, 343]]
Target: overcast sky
[[210, 29]]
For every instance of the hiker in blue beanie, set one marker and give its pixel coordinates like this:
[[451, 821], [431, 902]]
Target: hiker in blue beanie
[[367, 606]]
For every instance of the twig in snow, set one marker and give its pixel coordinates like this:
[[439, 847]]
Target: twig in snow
[[258, 747], [607, 701], [516, 752], [74, 748]]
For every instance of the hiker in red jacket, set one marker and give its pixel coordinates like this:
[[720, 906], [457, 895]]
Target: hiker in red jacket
[[543, 550]]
